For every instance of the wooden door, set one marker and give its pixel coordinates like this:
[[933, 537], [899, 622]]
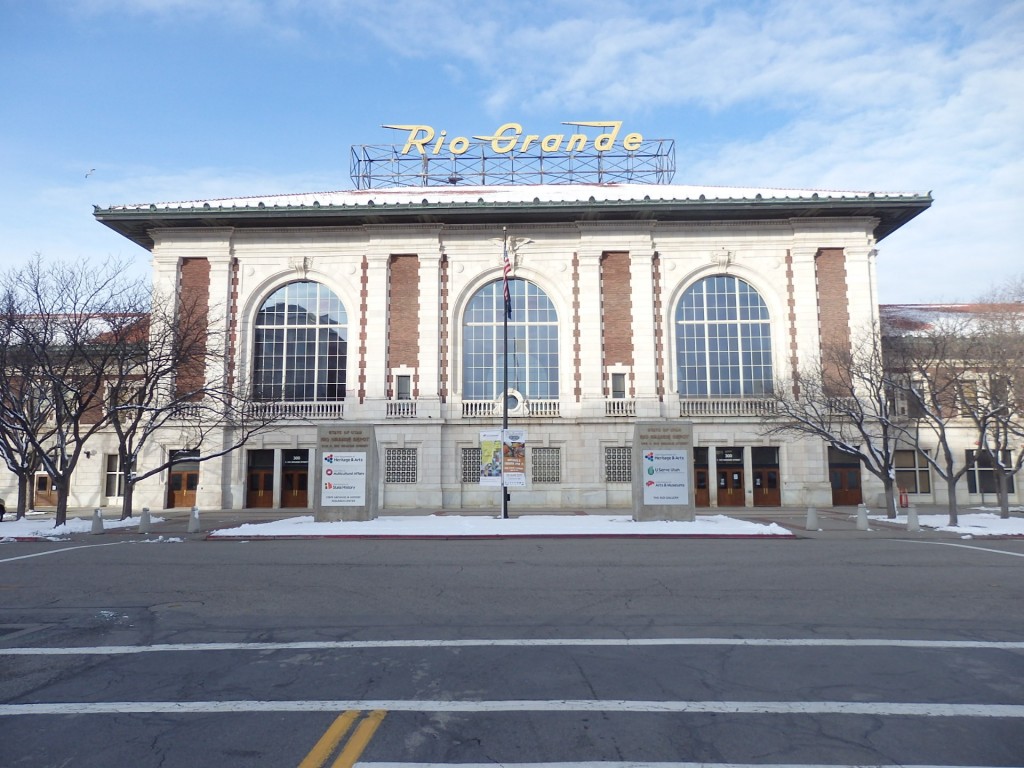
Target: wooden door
[[46, 492], [260, 489], [767, 492], [730, 487], [181, 488], [701, 493], [846, 490], [295, 488]]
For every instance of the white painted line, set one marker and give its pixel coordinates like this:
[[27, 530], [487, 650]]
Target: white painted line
[[880, 709], [962, 546], [60, 551], [333, 645], [634, 764]]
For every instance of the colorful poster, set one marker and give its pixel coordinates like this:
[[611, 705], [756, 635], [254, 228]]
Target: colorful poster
[[490, 457], [514, 455], [666, 476], [344, 479]]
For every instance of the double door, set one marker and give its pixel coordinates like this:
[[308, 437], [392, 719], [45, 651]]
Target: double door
[[181, 488], [730, 487], [295, 488], [766, 487]]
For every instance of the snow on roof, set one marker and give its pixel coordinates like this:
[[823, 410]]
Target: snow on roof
[[520, 193], [918, 318]]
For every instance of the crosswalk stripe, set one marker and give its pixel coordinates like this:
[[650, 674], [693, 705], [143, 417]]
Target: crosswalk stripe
[[881, 708]]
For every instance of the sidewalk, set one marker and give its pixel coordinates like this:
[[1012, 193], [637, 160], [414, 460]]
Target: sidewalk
[[758, 522]]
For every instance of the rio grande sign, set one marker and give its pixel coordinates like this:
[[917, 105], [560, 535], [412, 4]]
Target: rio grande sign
[[509, 138]]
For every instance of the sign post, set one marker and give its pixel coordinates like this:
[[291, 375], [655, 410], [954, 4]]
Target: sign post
[[349, 471], [662, 468]]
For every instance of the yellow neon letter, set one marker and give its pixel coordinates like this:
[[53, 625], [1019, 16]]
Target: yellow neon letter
[[458, 145], [552, 142], [528, 139], [577, 142], [632, 141], [499, 135], [414, 140], [440, 142]]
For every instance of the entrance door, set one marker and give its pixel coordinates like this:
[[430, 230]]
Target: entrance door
[[260, 489], [766, 487], [46, 492], [181, 488], [701, 495], [295, 488], [845, 486], [730, 487]]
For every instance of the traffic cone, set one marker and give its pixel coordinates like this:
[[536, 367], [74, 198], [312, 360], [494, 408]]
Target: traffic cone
[[97, 522], [145, 524], [912, 524]]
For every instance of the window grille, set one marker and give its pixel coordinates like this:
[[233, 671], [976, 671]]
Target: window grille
[[547, 465], [399, 465], [618, 464], [471, 465]]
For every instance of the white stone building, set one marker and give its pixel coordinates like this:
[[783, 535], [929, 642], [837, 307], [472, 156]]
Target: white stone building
[[629, 302]]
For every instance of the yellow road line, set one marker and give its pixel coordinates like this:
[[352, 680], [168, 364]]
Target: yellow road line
[[359, 739], [322, 750]]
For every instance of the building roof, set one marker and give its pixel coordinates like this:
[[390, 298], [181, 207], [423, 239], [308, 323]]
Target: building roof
[[911, 319], [514, 204]]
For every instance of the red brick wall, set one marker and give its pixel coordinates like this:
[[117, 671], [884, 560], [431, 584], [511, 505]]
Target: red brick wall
[[194, 297], [403, 345], [616, 310], [833, 302]]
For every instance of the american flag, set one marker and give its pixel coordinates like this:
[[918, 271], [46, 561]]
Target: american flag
[[507, 270]]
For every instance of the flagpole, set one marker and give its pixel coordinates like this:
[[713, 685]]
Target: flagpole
[[506, 268]]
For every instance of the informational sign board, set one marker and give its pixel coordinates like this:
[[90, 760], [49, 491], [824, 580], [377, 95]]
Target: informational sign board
[[666, 477], [344, 479], [662, 468], [514, 455], [490, 458], [349, 472]]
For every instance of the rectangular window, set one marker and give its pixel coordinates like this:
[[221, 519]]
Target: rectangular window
[[471, 465], [912, 472], [403, 387], [619, 386], [114, 485], [981, 477], [547, 465], [618, 464], [400, 465]]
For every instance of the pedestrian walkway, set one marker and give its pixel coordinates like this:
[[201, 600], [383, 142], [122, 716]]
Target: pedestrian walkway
[[766, 522]]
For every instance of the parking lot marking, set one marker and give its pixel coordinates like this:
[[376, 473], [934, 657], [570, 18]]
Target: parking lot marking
[[324, 748], [879, 708], [338, 645]]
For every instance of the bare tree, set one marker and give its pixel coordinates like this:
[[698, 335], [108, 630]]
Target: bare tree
[[993, 395], [24, 409], [171, 383], [845, 398], [69, 323], [928, 364]]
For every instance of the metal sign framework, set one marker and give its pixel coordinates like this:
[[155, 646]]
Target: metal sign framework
[[374, 166]]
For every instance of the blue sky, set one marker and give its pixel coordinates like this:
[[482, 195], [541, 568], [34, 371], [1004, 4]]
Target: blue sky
[[162, 100]]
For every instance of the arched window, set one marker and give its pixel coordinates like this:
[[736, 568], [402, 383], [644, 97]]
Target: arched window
[[532, 343], [723, 340], [300, 345]]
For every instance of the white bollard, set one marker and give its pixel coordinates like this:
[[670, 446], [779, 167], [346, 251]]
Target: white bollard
[[862, 517], [812, 519], [97, 522], [193, 521], [145, 524], [912, 524]]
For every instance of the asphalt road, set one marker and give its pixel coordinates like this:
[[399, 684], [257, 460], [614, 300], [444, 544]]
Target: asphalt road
[[553, 652]]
